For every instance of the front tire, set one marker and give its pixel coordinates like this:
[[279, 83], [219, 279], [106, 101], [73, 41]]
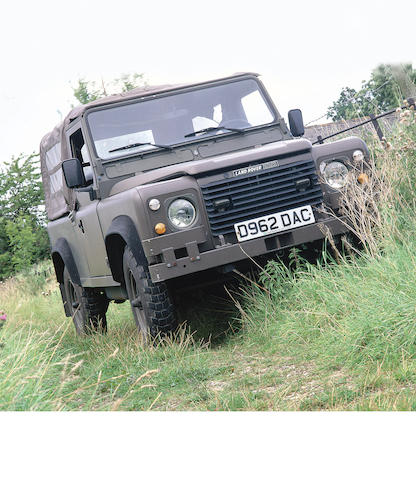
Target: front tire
[[151, 305], [86, 306]]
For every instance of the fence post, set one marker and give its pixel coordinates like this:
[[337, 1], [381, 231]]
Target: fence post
[[376, 126]]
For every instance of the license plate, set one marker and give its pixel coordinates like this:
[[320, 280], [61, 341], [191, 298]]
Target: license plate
[[274, 223]]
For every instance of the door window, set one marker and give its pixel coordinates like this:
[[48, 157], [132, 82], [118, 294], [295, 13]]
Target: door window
[[80, 151]]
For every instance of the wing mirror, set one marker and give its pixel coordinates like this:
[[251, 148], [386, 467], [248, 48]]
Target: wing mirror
[[296, 122], [73, 173]]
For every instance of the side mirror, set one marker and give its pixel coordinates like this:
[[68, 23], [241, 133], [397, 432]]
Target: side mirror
[[73, 173], [296, 122]]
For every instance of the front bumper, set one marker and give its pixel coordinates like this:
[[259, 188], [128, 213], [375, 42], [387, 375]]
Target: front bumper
[[197, 261]]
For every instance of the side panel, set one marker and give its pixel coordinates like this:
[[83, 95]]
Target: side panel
[[62, 228], [90, 236], [127, 203], [122, 221]]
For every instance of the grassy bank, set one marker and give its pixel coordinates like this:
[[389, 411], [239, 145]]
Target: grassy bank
[[339, 334]]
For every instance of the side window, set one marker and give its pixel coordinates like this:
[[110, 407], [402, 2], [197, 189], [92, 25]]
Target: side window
[[53, 164], [79, 150]]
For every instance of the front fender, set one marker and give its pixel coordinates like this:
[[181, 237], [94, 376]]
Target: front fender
[[340, 149], [121, 233], [344, 146]]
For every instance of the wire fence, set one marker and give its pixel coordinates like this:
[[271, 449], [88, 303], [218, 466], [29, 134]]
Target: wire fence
[[381, 125]]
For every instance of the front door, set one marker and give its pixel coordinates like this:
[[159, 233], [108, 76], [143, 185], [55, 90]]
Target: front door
[[84, 217]]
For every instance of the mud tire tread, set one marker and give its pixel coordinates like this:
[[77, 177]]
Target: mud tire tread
[[92, 309], [155, 298]]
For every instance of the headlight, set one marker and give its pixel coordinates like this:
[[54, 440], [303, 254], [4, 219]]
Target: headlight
[[181, 213], [336, 174]]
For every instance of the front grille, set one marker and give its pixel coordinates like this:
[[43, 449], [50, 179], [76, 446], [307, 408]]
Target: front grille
[[269, 191]]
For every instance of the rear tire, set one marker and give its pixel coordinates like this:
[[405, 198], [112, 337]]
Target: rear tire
[[150, 302], [87, 307]]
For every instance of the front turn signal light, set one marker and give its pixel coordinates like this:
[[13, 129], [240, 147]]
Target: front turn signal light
[[160, 228], [362, 178]]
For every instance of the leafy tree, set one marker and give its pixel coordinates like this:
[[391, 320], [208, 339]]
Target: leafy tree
[[6, 263], [86, 91], [23, 234], [23, 237], [21, 189], [129, 81], [387, 87]]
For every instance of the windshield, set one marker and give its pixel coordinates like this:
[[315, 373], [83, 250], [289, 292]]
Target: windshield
[[177, 118]]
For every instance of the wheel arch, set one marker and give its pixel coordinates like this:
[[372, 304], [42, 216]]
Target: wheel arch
[[122, 232], [62, 257]]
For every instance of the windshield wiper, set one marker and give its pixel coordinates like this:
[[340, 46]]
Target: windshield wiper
[[133, 145], [213, 129]]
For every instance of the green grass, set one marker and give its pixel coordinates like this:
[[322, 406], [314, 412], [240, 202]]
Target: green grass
[[323, 336]]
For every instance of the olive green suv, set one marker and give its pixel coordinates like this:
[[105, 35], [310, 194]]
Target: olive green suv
[[154, 188]]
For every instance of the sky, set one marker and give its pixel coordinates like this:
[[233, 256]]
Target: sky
[[306, 51]]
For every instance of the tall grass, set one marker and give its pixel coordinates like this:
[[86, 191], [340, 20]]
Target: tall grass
[[356, 310], [336, 334], [45, 366]]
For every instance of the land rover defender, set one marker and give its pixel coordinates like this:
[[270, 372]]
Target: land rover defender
[[150, 187]]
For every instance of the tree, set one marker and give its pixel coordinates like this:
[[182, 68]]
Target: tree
[[129, 81], [86, 90], [21, 189], [23, 237], [387, 87]]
